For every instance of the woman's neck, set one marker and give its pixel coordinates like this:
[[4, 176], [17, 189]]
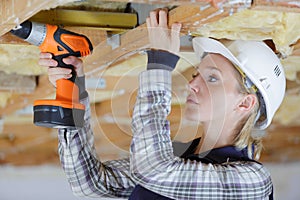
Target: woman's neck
[[215, 135]]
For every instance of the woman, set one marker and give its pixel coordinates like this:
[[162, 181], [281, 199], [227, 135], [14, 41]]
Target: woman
[[237, 88], [222, 97]]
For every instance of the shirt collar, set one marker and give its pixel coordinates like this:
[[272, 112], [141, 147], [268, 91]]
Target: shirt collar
[[221, 155], [217, 155]]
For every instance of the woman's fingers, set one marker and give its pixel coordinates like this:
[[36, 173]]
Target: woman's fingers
[[163, 19], [54, 78], [160, 35], [45, 55], [158, 18], [175, 31], [153, 19], [148, 22], [46, 60], [175, 37], [58, 71], [72, 60], [76, 63]]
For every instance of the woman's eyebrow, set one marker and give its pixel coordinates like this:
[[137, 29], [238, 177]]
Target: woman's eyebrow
[[214, 68]]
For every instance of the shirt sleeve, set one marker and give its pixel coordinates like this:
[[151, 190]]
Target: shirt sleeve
[[86, 174], [154, 166]]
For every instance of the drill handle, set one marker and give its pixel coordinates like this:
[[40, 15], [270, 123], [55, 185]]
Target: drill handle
[[59, 59]]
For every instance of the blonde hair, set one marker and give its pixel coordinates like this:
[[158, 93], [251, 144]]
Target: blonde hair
[[245, 135]]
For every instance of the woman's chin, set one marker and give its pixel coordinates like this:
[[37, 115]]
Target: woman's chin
[[188, 116]]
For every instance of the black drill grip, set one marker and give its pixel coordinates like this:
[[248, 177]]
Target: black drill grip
[[61, 64]]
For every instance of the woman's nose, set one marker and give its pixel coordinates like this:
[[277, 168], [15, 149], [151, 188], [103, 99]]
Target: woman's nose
[[194, 84]]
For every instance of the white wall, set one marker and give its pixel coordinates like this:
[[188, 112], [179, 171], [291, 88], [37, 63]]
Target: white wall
[[35, 183], [286, 180], [49, 182]]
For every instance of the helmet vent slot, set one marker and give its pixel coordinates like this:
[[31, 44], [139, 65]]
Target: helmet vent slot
[[277, 71]]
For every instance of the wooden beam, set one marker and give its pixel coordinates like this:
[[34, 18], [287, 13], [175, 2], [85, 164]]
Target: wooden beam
[[43, 89], [177, 2], [26, 144], [67, 17], [296, 50], [278, 5], [281, 145], [8, 38], [137, 38], [17, 83], [204, 3], [120, 106], [14, 12]]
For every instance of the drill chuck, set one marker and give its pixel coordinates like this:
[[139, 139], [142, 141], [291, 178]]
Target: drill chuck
[[23, 30], [32, 32]]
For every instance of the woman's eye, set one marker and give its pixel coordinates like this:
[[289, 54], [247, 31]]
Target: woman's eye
[[212, 79]]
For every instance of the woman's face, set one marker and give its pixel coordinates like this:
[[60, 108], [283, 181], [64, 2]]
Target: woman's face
[[213, 91]]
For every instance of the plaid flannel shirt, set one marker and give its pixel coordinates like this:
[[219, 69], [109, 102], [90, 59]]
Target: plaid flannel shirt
[[155, 167], [86, 174], [153, 164]]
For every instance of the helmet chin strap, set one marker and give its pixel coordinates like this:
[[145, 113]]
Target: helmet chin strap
[[249, 85], [261, 111]]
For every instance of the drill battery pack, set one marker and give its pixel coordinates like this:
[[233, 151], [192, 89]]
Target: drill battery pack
[[57, 116]]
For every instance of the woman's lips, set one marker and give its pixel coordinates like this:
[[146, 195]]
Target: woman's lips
[[191, 100]]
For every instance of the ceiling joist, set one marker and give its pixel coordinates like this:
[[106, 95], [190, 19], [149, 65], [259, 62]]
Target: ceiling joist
[[106, 20], [278, 5], [14, 12]]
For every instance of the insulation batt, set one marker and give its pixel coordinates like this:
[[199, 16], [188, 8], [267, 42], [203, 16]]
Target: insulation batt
[[20, 59], [282, 27], [288, 114]]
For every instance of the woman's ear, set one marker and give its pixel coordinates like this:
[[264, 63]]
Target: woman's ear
[[248, 102]]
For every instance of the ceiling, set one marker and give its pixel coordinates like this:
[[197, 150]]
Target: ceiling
[[119, 37]]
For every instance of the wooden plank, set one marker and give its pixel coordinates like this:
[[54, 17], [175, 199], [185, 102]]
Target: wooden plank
[[281, 145], [17, 83], [136, 39], [14, 12], [8, 38], [43, 89], [296, 50], [120, 106], [67, 17], [26, 144], [177, 2], [215, 3], [278, 5]]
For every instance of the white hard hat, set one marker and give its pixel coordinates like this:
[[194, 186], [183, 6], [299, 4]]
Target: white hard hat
[[259, 63]]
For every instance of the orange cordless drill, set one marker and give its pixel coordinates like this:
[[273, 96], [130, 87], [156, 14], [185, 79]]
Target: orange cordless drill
[[65, 111]]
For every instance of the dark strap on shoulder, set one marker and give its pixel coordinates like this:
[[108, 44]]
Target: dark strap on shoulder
[[271, 196], [141, 193]]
